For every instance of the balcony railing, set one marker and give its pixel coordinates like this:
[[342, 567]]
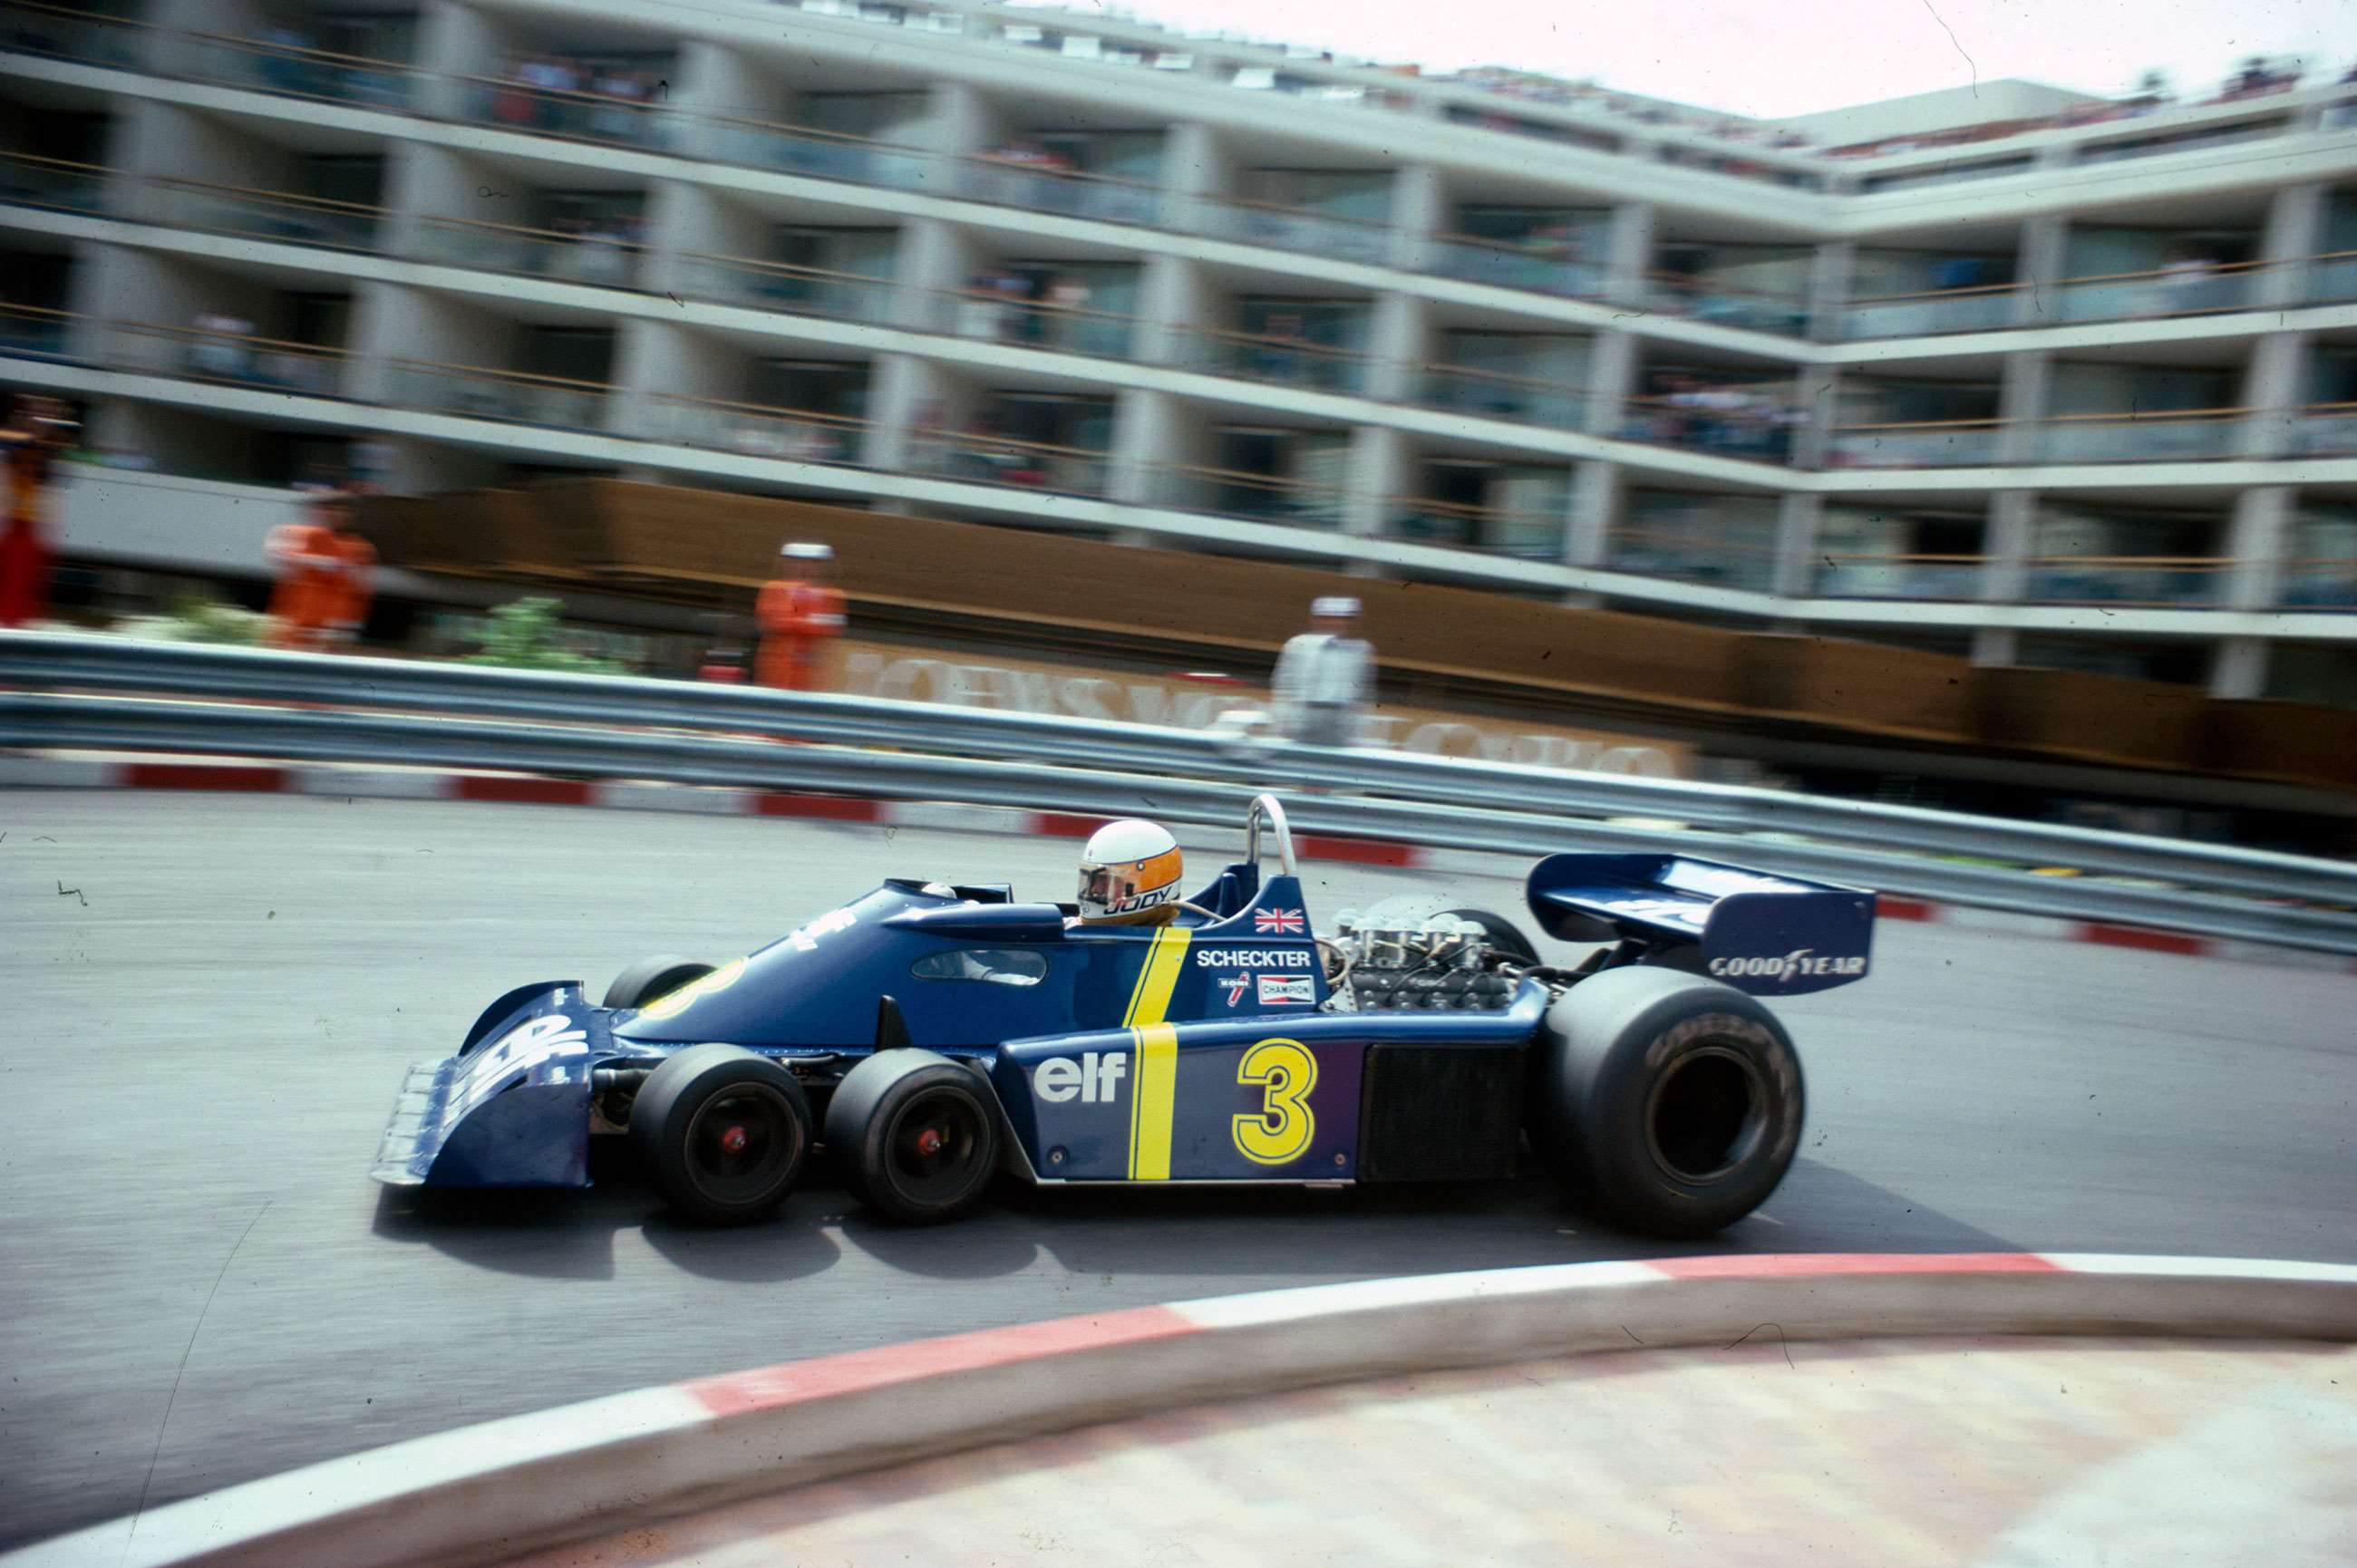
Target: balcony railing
[[2326, 430], [1705, 299], [1291, 228], [2165, 292], [29, 181], [777, 286], [2147, 581], [986, 458], [2320, 585], [1524, 535], [225, 358], [750, 430], [1982, 309], [2333, 278], [601, 260], [1261, 498], [1761, 431], [1723, 559], [259, 214], [1029, 323], [34, 332], [1937, 444], [1494, 395], [510, 397], [2179, 435], [1535, 268], [1852, 577], [1287, 361], [286, 70]]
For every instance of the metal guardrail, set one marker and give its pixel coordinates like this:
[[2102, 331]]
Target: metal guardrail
[[104, 693]]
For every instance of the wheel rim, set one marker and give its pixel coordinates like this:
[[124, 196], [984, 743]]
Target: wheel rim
[[1707, 1115], [933, 1145], [743, 1142]]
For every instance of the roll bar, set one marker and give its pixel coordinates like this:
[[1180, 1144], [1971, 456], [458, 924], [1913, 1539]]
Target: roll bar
[[1268, 806]]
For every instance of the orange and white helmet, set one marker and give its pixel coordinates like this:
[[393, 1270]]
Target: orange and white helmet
[[1129, 873]]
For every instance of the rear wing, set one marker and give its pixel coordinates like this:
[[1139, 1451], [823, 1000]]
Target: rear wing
[[1771, 936]]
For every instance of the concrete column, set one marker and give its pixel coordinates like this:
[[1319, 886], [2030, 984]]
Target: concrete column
[[654, 360], [1419, 202], [393, 321], [1596, 488], [1382, 466], [935, 258], [960, 120], [1831, 267], [2006, 542], [2295, 231], [2023, 391], [2258, 539], [899, 386], [453, 41], [1197, 164], [1150, 430], [2038, 268], [2238, 669], [1797, 517], [1628, 252], [2273, 389], [1816, 388], [1174, 293], [1399, 341], [425, 182], [717, 80], [1611, 376]]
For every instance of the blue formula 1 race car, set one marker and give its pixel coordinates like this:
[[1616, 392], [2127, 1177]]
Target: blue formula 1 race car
[[936, 1035]]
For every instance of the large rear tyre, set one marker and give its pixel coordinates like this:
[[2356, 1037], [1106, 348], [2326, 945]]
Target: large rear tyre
[[723, 1133], [652, 977], [914, 1135], [1671, 1103]]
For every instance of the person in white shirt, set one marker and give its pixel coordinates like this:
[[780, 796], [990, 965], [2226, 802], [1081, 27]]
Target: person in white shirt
[[1324, 677]]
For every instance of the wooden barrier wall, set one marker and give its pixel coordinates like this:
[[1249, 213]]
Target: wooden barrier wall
[[613, 534]]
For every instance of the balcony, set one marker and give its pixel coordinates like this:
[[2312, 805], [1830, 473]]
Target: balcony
[[2333, 278], [1941, 444], [2175, 437], [1866, 577], [2162, 292], [1040, 323], [1522, 535], [983, 457], [1723, 422], [2326, 430], [1534, 269], [750, 430], [2144, 581], [2326, 583], [1291, 228], [1930, 313], [1254, 496], [510, 397], [1291, 361], [34, 332], [598, 258], [1491, 396], [27, 180]]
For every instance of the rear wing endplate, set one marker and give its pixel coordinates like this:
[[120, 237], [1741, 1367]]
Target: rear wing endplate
[[1769, 935]]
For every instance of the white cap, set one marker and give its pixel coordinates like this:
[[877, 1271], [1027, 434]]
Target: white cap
[[1339, 606], [804, 551]]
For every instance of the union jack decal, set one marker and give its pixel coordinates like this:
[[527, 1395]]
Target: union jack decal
[[1280, 923]]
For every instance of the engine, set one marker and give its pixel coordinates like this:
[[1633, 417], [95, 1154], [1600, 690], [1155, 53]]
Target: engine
[[1436, 963]]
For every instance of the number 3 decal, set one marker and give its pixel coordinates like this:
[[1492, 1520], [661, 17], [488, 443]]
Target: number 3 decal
[[1279, 1132]]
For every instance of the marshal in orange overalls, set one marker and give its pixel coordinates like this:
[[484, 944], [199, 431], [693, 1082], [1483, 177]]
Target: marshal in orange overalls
[[38, 429], [799, 621], [310, 560]]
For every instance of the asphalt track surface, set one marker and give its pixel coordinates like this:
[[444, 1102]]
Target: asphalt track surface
[[210, 1001]]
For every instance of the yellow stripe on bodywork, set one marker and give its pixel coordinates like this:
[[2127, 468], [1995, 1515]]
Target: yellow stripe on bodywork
[[1153, 1098], [1164, 963]]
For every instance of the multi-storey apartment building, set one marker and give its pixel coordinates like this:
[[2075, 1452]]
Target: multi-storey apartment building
[[2079, 394]]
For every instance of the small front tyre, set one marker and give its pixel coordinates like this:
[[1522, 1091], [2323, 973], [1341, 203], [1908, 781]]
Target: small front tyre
[[914, 1135], [651, 978], [1671, 1102], [723, 1133]]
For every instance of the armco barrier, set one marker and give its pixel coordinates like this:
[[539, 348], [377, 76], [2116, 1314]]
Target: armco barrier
[[490, 1492], [388, 711]]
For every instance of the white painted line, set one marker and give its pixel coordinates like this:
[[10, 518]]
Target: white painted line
[[2201, 1268], [686, 798], [1418, 1290]]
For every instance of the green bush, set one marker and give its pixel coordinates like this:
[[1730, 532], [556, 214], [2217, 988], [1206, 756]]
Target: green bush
[[525, 636]]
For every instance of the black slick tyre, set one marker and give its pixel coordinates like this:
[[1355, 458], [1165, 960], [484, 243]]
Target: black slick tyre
[[1668, 1102], [1503, 934], [723, 1133], [914, 1135], [652, 977]]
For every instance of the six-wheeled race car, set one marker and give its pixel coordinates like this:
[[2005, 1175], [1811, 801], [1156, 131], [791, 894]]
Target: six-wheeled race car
[[932, 1036]]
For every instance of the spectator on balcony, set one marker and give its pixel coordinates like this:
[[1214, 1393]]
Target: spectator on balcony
[[1324, 677], [224, 348]]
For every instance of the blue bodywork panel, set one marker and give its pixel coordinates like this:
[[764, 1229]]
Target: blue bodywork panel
[[1771, 936], [1198, 1050]]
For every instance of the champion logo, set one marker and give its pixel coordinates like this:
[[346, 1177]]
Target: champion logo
[[1280, 923]]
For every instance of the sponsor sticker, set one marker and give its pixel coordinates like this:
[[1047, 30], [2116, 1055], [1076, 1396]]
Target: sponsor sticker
[[1288, 991], [1093, 1080], [806, 939], [1253, 958], [1794, 965], [1237, 985]]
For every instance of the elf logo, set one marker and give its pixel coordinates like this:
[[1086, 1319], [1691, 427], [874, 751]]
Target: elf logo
[[1094, 1079]]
